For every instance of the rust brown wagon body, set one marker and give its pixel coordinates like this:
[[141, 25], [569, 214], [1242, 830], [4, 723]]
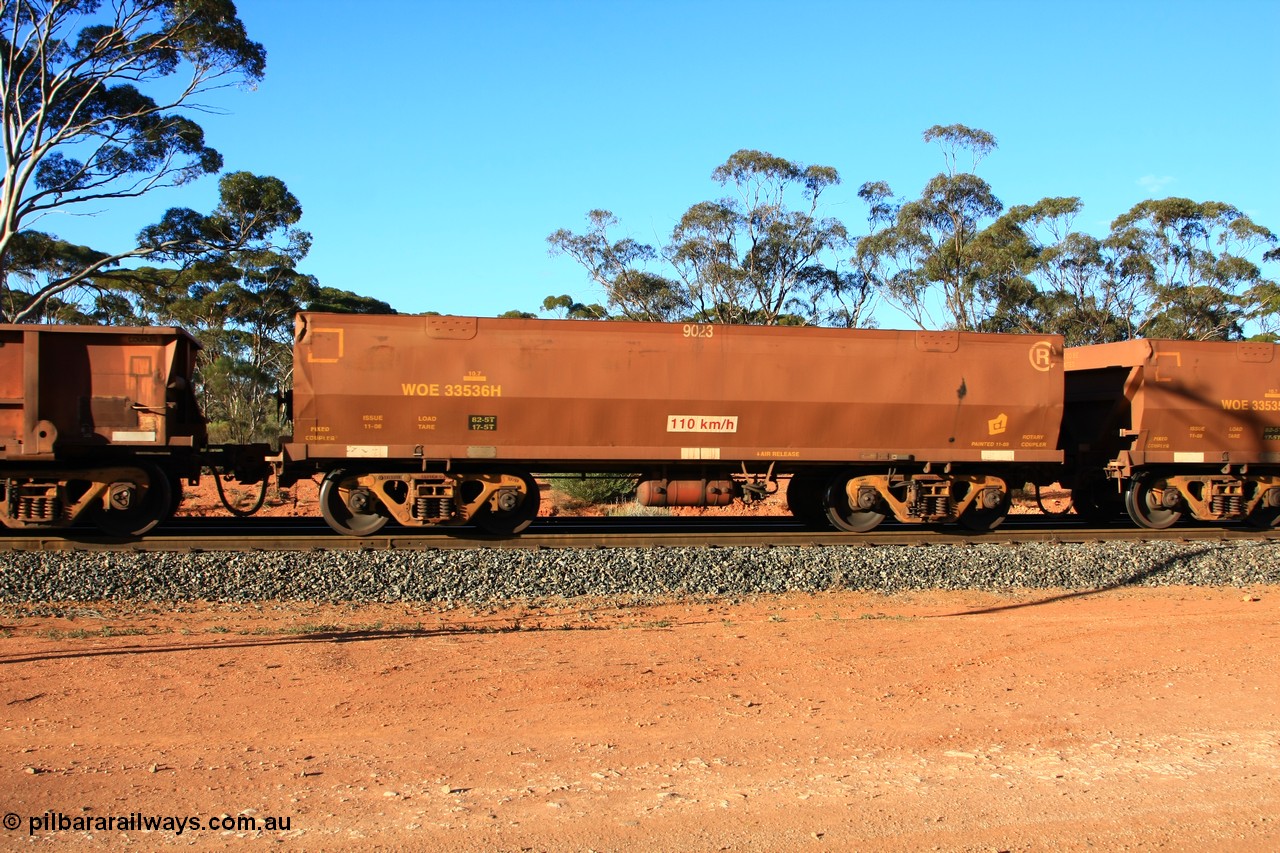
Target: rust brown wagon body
[[96, 422], [1176, 427], [443, 420]]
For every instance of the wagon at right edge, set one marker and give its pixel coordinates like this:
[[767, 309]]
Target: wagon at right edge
[[1172, 429]]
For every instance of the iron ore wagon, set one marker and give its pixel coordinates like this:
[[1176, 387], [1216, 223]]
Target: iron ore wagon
[[1175, 427], [96, 423], [442, 420]]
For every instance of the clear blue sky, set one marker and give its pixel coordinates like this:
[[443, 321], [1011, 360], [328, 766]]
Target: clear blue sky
[[435, 145]]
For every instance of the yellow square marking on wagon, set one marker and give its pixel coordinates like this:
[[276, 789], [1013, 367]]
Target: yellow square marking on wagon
[[319, 340], [1175, 357]]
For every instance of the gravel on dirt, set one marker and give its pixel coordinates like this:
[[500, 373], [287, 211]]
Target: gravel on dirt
[[487, 576]]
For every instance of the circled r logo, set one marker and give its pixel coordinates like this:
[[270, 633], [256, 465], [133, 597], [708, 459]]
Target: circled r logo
[[1041, 355]]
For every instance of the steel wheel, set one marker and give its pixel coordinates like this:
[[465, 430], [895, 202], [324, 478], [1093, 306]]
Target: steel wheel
[[1096, 502], [348, 508], [1142, 501], [1264, 518], [517, 519], [805, 498], [844, 517], [1266, 510], [150, 503], [982, 519]]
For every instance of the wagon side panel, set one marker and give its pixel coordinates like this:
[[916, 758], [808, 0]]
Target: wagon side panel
[[467, 388]]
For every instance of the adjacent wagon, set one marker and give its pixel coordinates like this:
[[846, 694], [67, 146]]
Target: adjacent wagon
[[96, 423], [1174, 428]]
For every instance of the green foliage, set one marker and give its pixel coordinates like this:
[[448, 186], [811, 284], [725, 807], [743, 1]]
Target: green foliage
[[1169, 268], [1190, 262], [596, 489], [763, 254], [344, 302], [925, 253], [79, 129], [752, 256], [239, 303], [566, 307], [953, 138], [954, 257], [634, 293]]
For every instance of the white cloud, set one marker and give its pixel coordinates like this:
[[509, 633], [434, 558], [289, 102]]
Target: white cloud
[[1153, 184]]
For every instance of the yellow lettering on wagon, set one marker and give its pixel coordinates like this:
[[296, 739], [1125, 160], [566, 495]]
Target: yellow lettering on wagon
[[471, 388], [319, 433], [1041, 356], [1264, 405]]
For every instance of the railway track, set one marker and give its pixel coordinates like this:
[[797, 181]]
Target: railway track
[[305, 534]]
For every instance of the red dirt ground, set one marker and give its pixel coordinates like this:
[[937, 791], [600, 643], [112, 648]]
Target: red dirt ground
[[1128, 719]]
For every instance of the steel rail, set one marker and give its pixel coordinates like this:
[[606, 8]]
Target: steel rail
[[762, 532]]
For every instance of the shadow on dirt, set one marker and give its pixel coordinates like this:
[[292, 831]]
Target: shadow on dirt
[[293, 639], [1132, 579]]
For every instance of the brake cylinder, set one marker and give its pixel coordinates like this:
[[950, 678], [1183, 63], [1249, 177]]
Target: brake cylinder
[[686, 492]]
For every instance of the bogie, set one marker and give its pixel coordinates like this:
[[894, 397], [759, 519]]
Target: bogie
[[361, 503]]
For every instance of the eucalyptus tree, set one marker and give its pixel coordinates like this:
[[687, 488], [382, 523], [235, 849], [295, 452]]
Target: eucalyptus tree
[[94, 100], [1043, 276], [570, 309], [923, 251], [1082, 293], [762, 254], [1268, 301], [632, 292], [239, 301], [1198, 268]]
